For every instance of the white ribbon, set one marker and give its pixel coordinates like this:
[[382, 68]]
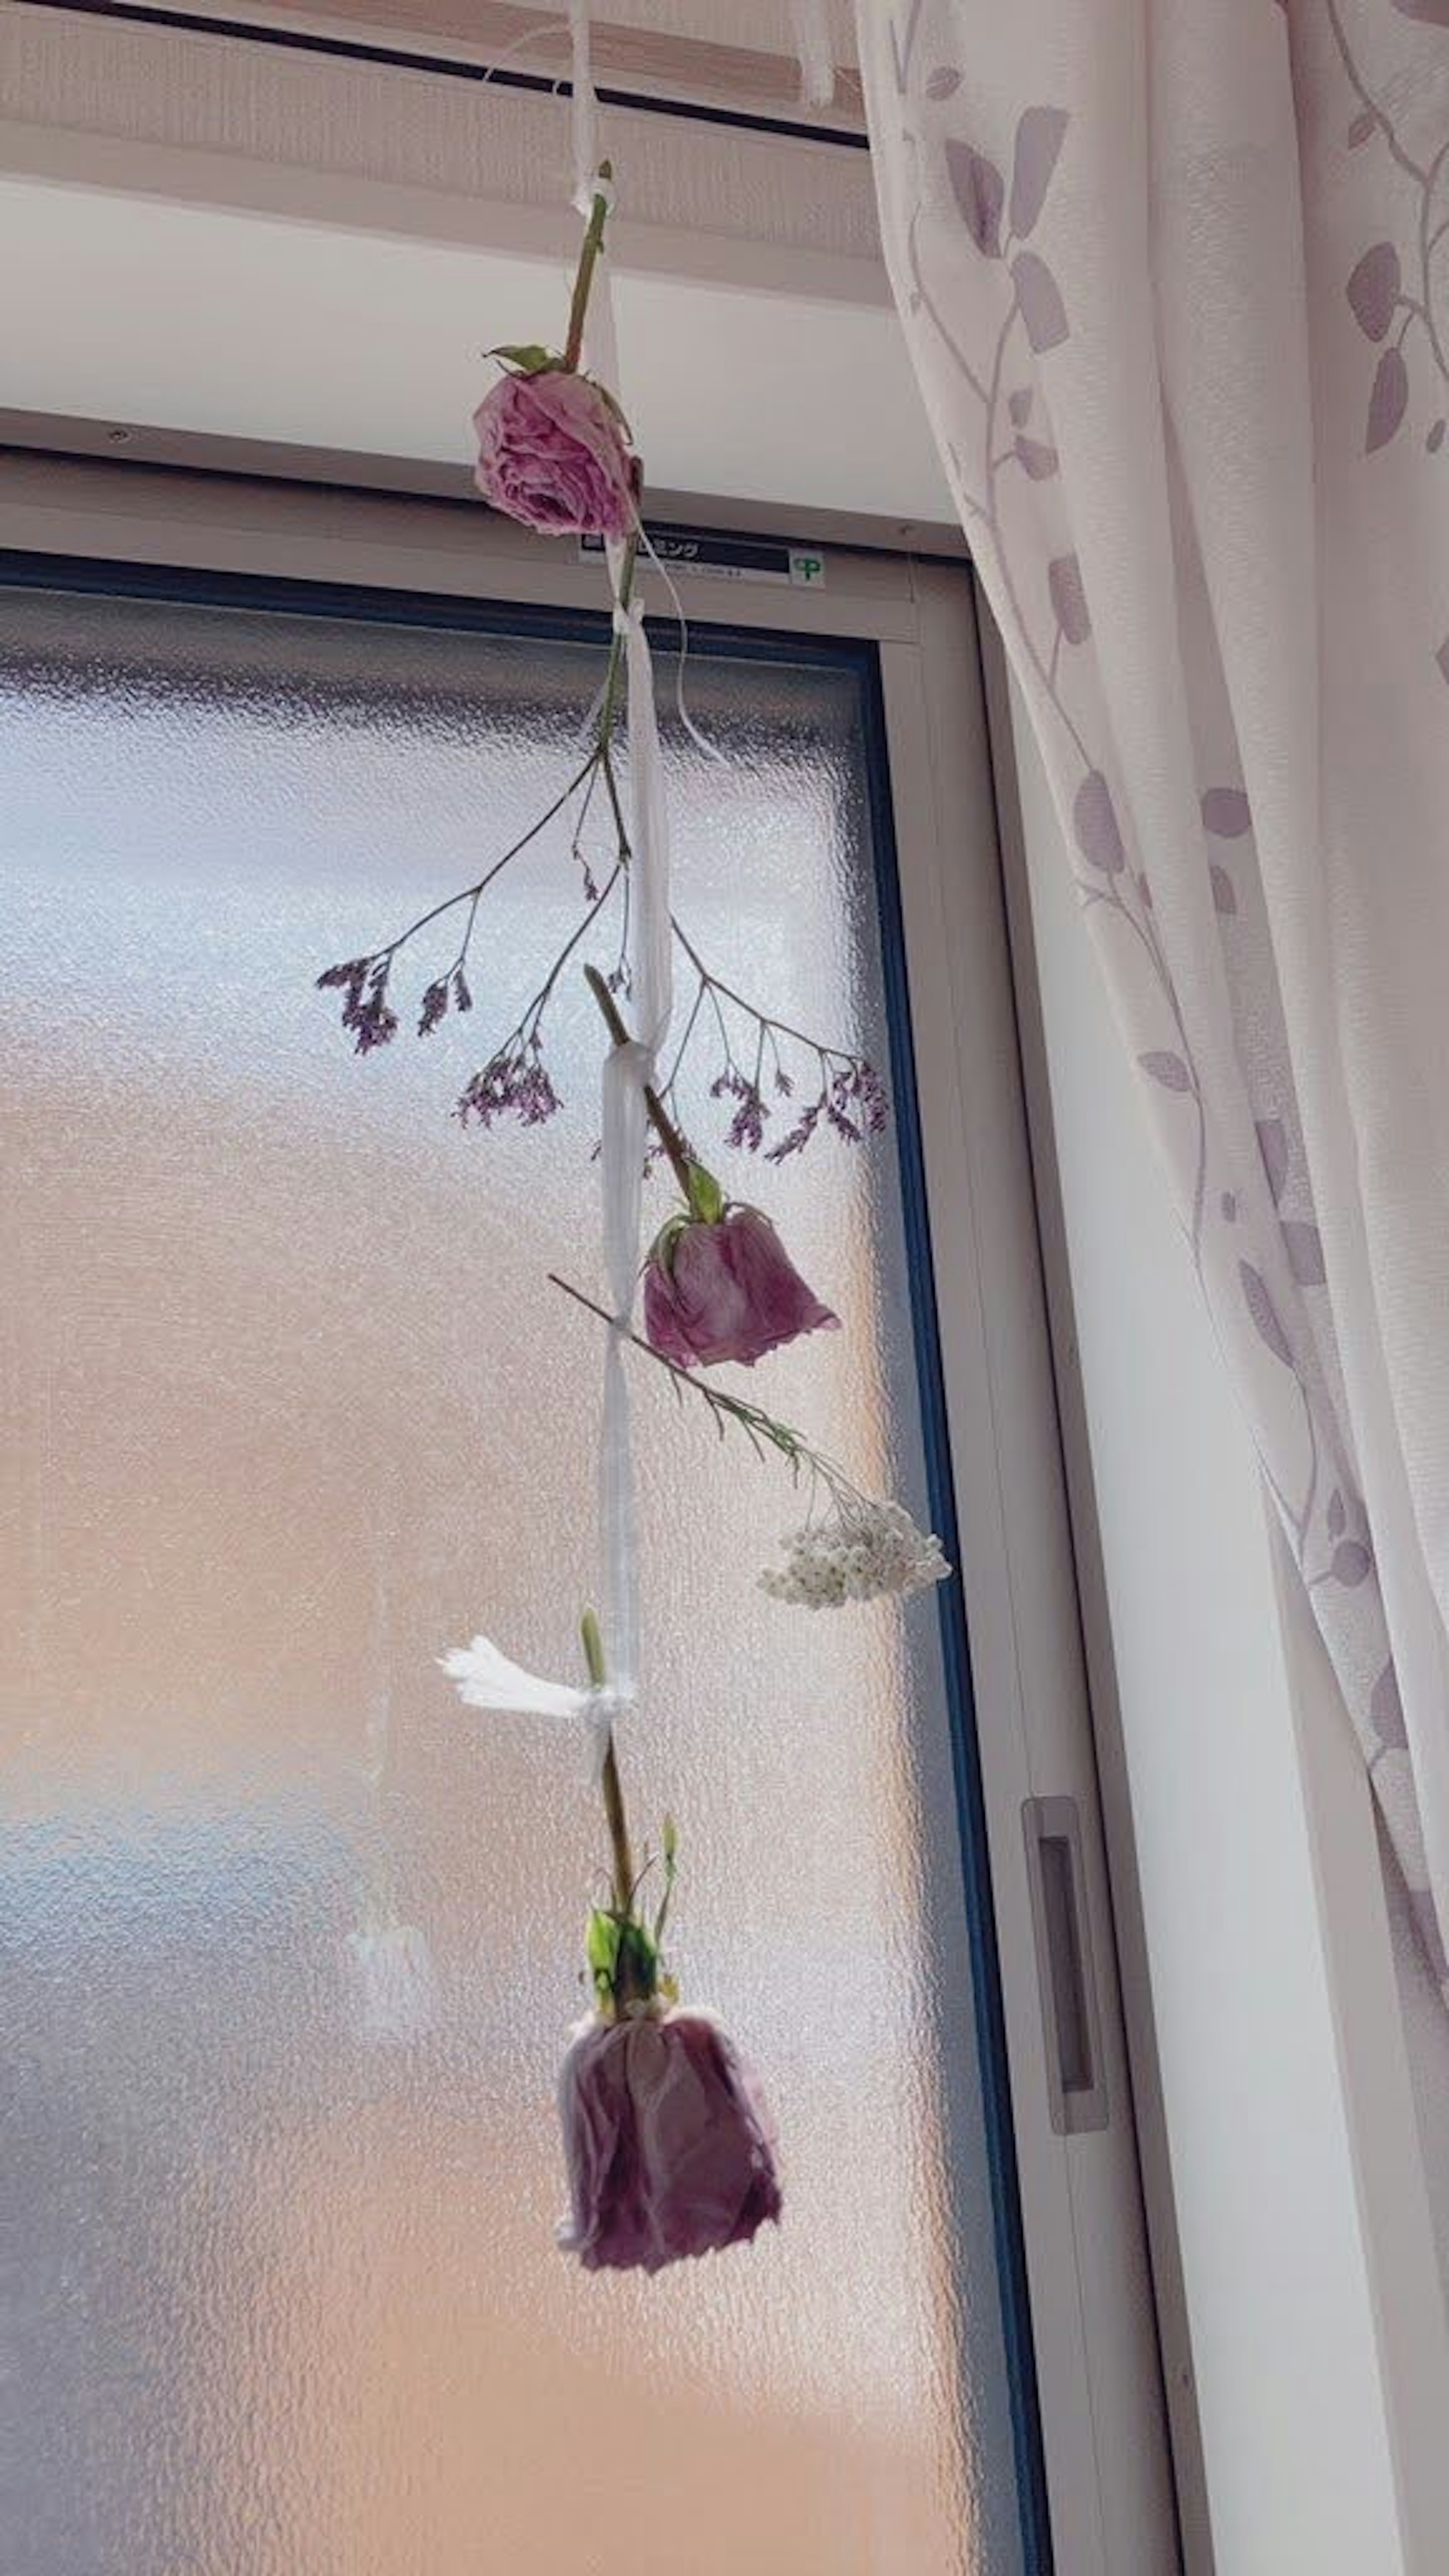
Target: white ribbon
[[810, 20], [487, 1678], [600, 343], [585, 109], [701, 741], [628, 1070]]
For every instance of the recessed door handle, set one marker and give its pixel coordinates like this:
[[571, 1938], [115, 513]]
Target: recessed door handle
[[1071, 2025]]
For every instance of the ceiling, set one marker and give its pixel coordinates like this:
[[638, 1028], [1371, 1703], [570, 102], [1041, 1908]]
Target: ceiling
[[125, 309], [202, 232], [744, 56]]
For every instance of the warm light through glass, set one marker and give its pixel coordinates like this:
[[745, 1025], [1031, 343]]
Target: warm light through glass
[[288, 1941]]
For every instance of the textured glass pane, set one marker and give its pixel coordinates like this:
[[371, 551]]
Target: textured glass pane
[[289, 1411]]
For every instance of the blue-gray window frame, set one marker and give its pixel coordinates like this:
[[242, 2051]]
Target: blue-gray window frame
[[365, 605]]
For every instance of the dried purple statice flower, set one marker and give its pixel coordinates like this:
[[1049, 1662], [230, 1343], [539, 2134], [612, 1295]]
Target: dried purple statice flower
[[851, 1100], [366, 1010], [799, 1135], [747, 1127], [351, 973], [760, 1058], [514, 1083], [435, 1004]]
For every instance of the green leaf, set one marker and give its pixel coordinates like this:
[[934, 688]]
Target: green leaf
[[527, 358], [662, 1247], [671, 1864], [637, 1973], [603, 1943], [706, 1198]]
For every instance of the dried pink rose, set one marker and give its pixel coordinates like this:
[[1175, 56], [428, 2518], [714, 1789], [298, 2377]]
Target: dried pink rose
[[552, 452], [726, 1290], [667, 2140]]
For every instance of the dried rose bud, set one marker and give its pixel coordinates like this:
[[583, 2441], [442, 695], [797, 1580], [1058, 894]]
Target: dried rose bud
[[725, 1290], [667, 2141], [552, 452]]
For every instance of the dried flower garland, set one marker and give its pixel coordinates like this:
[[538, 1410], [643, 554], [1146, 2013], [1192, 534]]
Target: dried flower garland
[[555, 452], [669, 2149], [668, 2145], [852, 1546]]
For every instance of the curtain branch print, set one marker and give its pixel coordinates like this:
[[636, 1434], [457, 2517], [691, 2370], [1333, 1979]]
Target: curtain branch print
[[1380, 297], [1376, 289], [1013, 211]]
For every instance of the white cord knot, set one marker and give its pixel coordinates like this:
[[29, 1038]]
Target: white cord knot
[[811, 22], [603, 1707]]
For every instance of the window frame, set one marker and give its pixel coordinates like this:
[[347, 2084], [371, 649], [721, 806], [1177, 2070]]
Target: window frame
[[1072, 2251]]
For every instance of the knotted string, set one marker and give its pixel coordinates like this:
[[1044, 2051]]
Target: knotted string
[[627, 1072], [629, 1068], [810, 20], [485, 1677], [601, 343]]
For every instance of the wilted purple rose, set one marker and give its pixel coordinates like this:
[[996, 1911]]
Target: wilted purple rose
[[552, 453], [668, 2143], [726, 1291]]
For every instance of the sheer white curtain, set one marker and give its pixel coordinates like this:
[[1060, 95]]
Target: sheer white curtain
[[1175, 280]]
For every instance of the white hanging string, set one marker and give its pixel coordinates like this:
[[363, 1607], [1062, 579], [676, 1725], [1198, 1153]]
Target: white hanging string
[[588, 731], [630, 1068], [585, 108], [701, 741], [600, 340], [485, 1677], [810, 22]]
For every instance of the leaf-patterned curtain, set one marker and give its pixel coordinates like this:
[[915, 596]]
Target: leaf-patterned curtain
[[1175, 282]]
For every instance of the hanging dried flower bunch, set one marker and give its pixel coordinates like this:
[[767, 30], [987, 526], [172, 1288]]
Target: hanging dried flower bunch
[[555, 452], [669, 2150]]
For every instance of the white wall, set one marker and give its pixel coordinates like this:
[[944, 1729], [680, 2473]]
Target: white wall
[[1294, 2161], [197, 234]]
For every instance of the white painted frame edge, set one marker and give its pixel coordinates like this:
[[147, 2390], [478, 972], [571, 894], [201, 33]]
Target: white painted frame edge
[[209, 120], [1108, 2476], [1033, 1714], [1112, 1781], [1400, 2255]]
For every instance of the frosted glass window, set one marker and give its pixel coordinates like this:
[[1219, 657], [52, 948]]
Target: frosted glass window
[[289, 1410]]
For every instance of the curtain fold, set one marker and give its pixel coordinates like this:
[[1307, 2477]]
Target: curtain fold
[[1175, 283]]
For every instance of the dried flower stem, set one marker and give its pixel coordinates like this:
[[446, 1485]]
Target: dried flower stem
[[588, 261], [623, 1857], [663, 1125], [515, 1080], [759, 1427], [473, 894]]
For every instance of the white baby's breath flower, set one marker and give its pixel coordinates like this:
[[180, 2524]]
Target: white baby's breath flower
[[858, 1552]]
